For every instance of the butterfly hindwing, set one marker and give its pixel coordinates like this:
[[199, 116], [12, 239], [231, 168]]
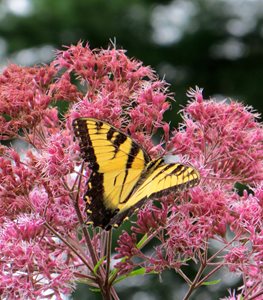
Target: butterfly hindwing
[[117, 163]]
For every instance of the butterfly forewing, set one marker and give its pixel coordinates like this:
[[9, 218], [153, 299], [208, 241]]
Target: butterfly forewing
[[117, 164]]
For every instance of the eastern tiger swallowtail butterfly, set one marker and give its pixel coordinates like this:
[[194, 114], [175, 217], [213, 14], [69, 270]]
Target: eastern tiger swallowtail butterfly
[[123, 175]]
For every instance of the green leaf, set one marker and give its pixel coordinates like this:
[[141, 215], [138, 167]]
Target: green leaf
[[95, 290], [99, 263], [84, 281], [137, 272], [141, 242], [212, 282]]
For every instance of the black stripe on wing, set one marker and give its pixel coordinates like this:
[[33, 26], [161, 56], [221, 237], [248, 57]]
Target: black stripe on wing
[[131, 157]]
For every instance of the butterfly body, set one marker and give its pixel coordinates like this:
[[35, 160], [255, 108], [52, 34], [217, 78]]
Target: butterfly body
[[123, 175]]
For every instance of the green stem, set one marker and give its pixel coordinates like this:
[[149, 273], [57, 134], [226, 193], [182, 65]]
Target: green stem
[[195, 281], [208, 275]]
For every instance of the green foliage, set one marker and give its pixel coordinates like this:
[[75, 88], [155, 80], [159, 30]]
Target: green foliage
[[212, 282], [140, 271], [95, 270]]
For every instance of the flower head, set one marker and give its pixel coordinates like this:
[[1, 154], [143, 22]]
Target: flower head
[[225, 137], [23, 98]]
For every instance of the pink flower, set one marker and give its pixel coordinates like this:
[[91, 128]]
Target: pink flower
[[119, 91], [247, 211], [238, 256], [224, 140], [224, 137], [57, 153], [233, 296], [23, 98], [127, 245], [16, 180], [44, 243], [32, 262], [151, 218]]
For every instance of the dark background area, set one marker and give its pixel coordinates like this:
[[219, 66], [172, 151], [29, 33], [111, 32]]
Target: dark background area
[[215, 44]]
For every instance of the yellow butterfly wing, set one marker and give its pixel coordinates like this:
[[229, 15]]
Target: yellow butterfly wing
[[123, 176], [162, 178], [117, 163], [158, 179]]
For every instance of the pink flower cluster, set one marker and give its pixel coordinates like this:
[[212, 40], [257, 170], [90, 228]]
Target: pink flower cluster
[[46, 248], [43, 243], [24, 101], [224, 141]]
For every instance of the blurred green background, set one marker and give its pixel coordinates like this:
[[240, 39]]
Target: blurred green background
[[215, 44]]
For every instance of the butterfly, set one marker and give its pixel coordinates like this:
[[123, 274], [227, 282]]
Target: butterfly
[[123, 175]]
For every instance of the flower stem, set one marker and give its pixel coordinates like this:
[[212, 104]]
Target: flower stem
[[108, 253], [195, 281], [68, 244]]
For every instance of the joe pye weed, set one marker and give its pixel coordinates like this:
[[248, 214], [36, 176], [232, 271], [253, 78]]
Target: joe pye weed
[[45, 246]]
